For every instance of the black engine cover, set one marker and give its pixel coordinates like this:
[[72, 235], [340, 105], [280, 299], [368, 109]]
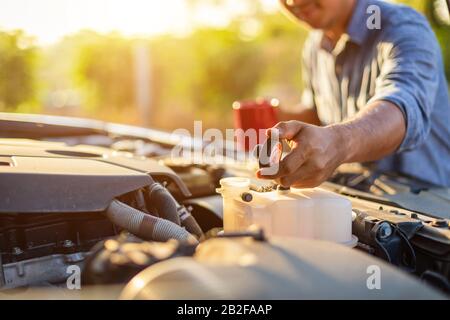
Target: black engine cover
[[45, 177]]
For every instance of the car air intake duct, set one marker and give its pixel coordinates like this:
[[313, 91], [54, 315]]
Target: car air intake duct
[[144, 225]]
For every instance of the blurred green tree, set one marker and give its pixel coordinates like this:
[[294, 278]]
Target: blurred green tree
[[443, 34], [442, 31], [17, 69], [197, 76], [104, 69]]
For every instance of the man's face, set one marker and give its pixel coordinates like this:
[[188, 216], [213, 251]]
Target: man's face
[[319, 14]]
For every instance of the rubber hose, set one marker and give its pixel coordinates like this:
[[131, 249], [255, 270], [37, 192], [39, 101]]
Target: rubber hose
[[144, 225], [189, 222], [192, 226], [164, 203], [168, 208]]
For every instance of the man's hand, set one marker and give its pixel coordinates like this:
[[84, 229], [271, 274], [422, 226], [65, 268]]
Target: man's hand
[[316, 153], [377, 131]]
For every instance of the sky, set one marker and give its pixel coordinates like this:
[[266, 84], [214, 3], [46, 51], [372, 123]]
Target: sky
[[49, 20]]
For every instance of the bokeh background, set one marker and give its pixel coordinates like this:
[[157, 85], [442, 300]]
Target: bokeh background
[[162, 64]]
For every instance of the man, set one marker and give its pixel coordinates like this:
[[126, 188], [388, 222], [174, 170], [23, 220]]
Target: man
[[377, 89]]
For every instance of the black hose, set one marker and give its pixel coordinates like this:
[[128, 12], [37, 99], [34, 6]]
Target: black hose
[[168, 208], [189, 222], [164, 203]]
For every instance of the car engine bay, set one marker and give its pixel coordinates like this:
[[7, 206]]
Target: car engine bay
[[120, 208]]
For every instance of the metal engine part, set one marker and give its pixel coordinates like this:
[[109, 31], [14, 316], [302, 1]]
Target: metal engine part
[[117, 260], [284, 268], [53, 269]]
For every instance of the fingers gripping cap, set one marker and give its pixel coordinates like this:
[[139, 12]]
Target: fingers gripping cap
[[269, 154]]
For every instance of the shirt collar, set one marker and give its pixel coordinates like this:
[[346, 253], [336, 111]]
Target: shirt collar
[[357, 29]]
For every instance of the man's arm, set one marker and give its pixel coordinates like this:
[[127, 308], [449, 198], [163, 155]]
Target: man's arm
[[375, 132]]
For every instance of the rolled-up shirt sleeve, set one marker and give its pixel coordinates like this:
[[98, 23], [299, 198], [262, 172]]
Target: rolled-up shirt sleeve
[[409, 78]]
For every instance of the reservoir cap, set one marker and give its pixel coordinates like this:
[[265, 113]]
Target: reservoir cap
[[269, 154]]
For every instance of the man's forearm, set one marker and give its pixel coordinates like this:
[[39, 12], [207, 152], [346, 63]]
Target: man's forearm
[[376, 132]]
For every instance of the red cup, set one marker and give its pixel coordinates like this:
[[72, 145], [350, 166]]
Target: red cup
[[258, 115]]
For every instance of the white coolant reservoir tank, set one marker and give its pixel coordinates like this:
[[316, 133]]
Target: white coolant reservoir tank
[[332, 216], [308, 213], [281, 214], [232, 190]]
